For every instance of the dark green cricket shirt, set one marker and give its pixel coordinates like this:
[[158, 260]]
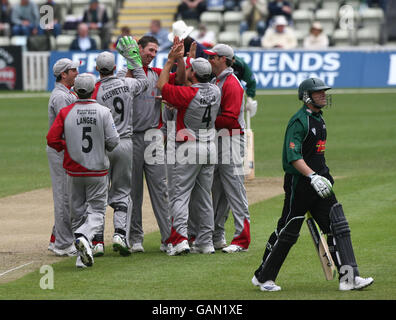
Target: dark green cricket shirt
[[305, 138]]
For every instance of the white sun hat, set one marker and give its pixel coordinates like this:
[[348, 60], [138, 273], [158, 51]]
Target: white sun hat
[[180, 29]]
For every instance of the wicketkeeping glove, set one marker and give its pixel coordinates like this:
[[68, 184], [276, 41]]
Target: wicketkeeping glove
[[321, 185], [251, 105], [129, 49]]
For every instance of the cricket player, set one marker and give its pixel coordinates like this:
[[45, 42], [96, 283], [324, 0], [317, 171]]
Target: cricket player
[[197, 107], [308, 187], [89, 131], [228, 188], [147, 115], [117, 94], [243, 72], [62, 239]]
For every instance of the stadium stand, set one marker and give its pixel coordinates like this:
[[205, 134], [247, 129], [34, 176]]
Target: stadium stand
[[372, 18], [137, 15], [328, 19], [331, 4], [231, 38], [232, 20], [368, 26], [367, 36], [302, 19], [343, 37], [5, 41], [307, 4], [213, 20], [63, 42], [247, 36]]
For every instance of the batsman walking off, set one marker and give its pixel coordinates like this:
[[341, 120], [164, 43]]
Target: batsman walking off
[[308, 187]]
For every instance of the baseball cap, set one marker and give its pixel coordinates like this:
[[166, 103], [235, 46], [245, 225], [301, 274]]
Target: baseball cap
[[201, 66], [105, 61], [221, 50], [180, 29], [63, 65], [84, 83]]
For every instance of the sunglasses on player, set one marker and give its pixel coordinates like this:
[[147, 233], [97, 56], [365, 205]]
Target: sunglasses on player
[[212, 57]]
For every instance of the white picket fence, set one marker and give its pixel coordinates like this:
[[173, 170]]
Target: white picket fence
[[35, 70]]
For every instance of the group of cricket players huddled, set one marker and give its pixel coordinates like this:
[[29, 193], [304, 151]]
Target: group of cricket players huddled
[[178, 151]]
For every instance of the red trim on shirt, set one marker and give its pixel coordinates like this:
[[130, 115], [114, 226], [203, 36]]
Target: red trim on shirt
[[55, 140], [180, 97], [230, 105], [95, 92]]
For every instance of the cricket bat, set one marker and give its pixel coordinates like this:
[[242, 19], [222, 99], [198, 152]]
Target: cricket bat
[[249, 154], [322, 249]]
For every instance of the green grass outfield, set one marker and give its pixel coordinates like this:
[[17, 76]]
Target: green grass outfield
[[361, 148]]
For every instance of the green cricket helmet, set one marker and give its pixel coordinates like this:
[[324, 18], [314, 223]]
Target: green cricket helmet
[[308, 86]]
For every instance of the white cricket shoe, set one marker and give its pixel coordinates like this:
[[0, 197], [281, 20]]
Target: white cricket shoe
[[166, 247], [51, 246], [137, 247], [256, 282], [79, 263], [119, 244], [85, 251], [70, 251], [358, 283], [269, 285], [232, 248], [206, 249], [98, 249], [220, 244], [180, 248]]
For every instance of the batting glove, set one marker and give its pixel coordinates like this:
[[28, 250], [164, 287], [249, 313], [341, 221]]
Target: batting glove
[[129, 49], [251, 105], [321, 185]]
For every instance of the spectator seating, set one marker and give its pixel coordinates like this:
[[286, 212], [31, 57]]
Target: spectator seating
[[231, 38], [355, 4], [63, 41], [215, 5], [137, 15], [213, 20], [367, 36], [331, 4], [5, 41], [302, 19], [247, 36], [368, 27], [98, 40], [232, 20], [372, 18], [300, 34], [307, 4], [343, 37], [18, 41], [328, 19]]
